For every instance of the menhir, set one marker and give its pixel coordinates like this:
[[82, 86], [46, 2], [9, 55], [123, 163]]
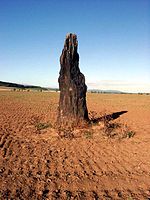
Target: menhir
[[72, 110]]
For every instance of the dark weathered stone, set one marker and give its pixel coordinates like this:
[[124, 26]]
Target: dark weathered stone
[[72, 109]]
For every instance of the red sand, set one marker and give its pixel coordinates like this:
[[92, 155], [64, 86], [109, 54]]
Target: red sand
[[37, 164]]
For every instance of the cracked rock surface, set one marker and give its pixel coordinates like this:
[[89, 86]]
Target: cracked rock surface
[[72, 109]]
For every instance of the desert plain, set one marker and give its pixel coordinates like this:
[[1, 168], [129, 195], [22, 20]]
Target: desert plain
[[37, 163]]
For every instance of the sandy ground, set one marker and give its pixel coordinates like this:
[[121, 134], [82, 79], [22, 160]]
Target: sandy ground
[[5, 89], [37, 164]]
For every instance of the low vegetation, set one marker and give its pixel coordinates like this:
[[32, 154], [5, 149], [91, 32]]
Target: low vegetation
[[41, 126]]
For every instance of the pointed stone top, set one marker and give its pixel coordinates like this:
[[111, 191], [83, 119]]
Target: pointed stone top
[[71, 41], [71, 35]]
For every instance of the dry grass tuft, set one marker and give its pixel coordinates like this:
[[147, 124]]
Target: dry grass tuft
[[110, 127]]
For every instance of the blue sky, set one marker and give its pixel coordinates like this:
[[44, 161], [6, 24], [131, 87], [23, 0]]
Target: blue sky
[[113, 36]]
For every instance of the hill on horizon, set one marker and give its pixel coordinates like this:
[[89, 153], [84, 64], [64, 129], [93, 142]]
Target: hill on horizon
[[22, 86], [19, 86]]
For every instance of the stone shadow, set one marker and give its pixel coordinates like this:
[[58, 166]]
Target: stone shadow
[[108, 117]]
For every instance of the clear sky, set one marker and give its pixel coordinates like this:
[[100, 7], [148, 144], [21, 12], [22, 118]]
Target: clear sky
[[113, 36]]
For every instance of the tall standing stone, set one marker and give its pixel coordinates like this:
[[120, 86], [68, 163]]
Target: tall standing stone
[[72, 110]]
